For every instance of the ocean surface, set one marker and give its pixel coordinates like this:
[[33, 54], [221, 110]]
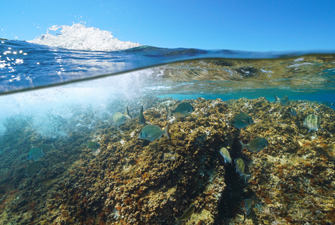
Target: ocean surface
[[64, 87]]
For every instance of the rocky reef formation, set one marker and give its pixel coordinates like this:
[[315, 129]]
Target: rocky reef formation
[[134, 181], [217, 76]]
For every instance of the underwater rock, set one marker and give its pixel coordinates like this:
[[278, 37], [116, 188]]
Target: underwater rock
[[140, 182]]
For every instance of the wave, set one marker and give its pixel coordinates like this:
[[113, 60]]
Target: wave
[[80, 37]]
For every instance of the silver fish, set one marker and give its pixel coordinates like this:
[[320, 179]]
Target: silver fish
[[182, 110], [247, 205], [225, 154], [242, 120], [35, 154], [35, 167], [141, 117], [187, 215], [119, 118], [93, 145], [256, 145], [284, 101], [152, 132], [292, 112], [240, 167], [326, 103], [312, 122]]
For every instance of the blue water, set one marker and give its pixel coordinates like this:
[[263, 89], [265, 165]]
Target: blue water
[[25, 65]]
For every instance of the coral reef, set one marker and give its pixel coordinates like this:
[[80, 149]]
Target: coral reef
[[134, 181]]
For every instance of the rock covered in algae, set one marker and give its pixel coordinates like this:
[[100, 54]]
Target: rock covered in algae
[[133, 181]]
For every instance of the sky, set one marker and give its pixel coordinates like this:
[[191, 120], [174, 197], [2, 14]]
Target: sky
[[255, 25]]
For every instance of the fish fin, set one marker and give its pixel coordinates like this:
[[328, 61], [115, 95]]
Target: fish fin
[[243, 146], [168, 112], [52, 144], [127, 113], [276, 99], [166, 131], [309, 130], [42, 152]]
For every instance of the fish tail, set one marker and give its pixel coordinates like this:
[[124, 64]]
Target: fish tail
[[277, 99], [166, 131], [127, 113], [243, 146], [42, 152], [246, 177], [168, 112]]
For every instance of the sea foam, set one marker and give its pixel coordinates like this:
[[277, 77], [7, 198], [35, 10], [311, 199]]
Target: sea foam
[[80, 37]]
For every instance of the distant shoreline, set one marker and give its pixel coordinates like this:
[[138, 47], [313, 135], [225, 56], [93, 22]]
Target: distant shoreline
[[3, 39]]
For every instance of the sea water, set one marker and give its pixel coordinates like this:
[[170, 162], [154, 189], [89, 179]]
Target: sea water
[[63, 88]]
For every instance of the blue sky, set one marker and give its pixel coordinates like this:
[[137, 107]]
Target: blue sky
[[258, 25]]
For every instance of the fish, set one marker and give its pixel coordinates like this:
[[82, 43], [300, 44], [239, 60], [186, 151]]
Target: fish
[[292, 112], [312, 122], [35, 167], [46, 147], [284, 101], [225, 154], [152, 132], [182, 110], [240, 167], [187, 214], [333, 104], [256, 145], [326, 103], [119, 118], [247, 207], [241, 120], [35, 154], [141, 117], [93, 145]]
